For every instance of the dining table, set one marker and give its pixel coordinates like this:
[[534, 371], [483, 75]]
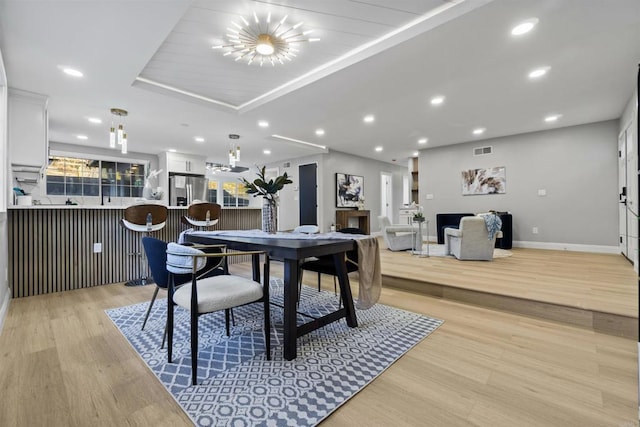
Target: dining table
[[292, 250]]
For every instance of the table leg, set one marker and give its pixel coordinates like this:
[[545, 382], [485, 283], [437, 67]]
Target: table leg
[[345, 289], [290, 311]]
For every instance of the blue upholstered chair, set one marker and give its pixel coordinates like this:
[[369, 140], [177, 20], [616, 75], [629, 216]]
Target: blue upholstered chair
[[156, 252]]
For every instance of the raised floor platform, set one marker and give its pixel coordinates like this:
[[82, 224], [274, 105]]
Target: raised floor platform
[[594, 291]]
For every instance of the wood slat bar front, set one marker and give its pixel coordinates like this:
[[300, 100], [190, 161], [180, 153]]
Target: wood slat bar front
[[51, 249]]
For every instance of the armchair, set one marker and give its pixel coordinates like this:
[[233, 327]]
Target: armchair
[[471, 241], [398, 237]]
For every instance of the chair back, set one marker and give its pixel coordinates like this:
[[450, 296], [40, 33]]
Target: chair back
[[156, 251], [352, 254], [135, 217], [384, 222], [307, 229], [203, 214], [473, 228]]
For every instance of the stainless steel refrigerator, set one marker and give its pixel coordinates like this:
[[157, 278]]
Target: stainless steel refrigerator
[[184, 189]]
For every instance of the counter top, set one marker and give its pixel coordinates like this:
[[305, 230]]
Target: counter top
[[16, 207]]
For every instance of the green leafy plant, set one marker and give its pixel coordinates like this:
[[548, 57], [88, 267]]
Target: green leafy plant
[[267, 189]]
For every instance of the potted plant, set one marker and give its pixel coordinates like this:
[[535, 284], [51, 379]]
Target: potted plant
[[268, 189], [418, 216]]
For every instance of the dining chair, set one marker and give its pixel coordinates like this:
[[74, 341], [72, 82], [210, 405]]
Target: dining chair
[[325, 264], [156, 252], [211, 294]]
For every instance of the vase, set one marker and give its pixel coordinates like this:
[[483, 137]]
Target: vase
[[269, 216]]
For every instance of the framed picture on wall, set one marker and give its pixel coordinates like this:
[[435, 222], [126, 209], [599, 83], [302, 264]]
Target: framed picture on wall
[[484, 181], [349, 190]]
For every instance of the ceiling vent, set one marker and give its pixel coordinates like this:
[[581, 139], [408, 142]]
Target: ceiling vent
[[481, 151]]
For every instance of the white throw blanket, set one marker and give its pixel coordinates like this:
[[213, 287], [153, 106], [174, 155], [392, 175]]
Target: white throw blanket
[[370, 283]]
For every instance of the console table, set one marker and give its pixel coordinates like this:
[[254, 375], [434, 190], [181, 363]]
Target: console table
[[342, 219]]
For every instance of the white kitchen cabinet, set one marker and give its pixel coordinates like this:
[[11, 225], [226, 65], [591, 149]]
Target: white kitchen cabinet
[[185, 163], [28, 128]]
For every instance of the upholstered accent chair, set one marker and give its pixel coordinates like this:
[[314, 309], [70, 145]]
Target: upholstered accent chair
[[471, 241], [398, 237]]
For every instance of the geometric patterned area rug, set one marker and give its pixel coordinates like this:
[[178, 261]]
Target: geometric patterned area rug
[[239, 387]]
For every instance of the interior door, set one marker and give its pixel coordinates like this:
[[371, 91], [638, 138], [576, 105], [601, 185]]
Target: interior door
[[622, 190], [308, 191]]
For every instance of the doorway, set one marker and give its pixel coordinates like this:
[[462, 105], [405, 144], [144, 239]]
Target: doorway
[[308, 192], [386, 195]]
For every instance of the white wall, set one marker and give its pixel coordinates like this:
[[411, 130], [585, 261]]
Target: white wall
[[5, 294], [577, 166], [328, 165]]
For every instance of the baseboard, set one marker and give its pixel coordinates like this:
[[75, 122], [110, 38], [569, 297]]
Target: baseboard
[[4, 308], [567, 247]]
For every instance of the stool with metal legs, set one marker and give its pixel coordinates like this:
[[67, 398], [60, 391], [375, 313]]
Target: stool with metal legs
[[143, 219]]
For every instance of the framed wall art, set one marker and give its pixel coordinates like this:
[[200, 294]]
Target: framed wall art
[[484, 181], [349, 190]]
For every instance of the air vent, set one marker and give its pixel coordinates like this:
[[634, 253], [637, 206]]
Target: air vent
[[481, 151], [287, 165]]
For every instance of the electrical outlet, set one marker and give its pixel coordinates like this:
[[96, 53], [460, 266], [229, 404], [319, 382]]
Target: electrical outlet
[[97, 248], [535, 230], [429, 196]]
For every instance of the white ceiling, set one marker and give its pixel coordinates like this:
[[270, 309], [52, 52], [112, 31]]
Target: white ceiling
[[460, 49]]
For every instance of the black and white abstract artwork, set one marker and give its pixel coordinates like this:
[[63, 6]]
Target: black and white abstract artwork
[[349, 190]]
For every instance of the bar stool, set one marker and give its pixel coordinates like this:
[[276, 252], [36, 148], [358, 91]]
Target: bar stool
[[144, 219], [202, 215]]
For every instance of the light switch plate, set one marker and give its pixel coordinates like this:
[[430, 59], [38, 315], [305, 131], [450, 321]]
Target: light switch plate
[[97, 248]]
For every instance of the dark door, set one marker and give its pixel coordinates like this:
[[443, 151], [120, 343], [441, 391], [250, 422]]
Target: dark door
[[308, 194]]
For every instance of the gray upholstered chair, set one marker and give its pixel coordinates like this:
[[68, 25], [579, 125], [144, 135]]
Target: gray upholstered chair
[[471, 241], [398, 237]]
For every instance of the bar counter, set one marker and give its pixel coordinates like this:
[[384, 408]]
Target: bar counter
[[51, 246]]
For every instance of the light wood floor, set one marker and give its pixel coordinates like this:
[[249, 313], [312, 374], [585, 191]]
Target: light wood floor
[[63, 363]]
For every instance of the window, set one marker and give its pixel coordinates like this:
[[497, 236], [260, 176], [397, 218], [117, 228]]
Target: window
[[212, 192], [234, 194], [67, 176], [122, 179], [73, 177]]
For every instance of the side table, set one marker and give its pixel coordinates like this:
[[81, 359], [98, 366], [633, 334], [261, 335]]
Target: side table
[[417, 225]]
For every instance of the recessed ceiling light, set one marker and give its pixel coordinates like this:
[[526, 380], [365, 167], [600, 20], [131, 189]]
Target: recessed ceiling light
[[199, 139], [82, 137], [266, 151], [72, 72], [263, 124], [172, 150], [423, 140], [524, 27], [552, 118], [369, 119], [378, 149], [319, 132], [539, 72], [95, 120], [479, 131], [437, 100], [415, 154]]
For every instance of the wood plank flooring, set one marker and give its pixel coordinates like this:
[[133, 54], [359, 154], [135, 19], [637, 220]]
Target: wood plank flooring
[[596, 291], [63, 363]]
